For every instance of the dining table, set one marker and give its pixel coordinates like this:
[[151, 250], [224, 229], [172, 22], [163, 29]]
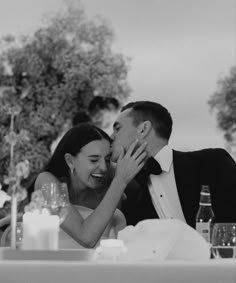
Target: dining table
[[70, 267]]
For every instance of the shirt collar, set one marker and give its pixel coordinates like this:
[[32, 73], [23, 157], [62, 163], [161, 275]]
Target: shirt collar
[[165, 158]]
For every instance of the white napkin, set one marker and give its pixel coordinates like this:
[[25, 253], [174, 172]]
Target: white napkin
[[156, 240]]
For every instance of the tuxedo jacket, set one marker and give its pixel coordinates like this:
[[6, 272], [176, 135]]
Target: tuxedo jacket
[[213, 167]]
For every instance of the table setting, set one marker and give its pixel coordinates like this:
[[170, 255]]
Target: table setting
[[152, 240], [154, 250], [166, 250]]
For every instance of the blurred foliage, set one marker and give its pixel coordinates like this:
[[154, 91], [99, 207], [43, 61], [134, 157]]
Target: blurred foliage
[[51, 74], [223, 102]]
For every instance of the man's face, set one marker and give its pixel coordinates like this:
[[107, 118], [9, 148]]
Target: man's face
[[124, 133]]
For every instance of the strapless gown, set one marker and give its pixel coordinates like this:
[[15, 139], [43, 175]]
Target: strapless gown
[[117, 223]]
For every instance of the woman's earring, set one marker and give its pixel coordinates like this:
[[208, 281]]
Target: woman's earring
[[72, 169]]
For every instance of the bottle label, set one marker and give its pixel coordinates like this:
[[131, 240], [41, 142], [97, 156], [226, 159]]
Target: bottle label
[[204, 228]]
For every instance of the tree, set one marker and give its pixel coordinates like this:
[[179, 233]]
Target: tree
[[52, 74], [223, 101]]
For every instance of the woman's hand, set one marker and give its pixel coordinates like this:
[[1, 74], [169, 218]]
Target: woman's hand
[[131, 162]]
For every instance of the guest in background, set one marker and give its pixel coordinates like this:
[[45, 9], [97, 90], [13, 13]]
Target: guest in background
[[82, 116], [103, 111], [173, 178], [82, 161]]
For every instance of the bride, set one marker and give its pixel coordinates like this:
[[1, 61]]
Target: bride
[[82, 161]]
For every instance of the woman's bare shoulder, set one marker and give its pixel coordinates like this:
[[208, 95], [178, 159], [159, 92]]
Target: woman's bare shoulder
[[44, 177]]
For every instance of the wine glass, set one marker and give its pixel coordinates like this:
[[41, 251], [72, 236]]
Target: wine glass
[[56, 199], [224, 240]]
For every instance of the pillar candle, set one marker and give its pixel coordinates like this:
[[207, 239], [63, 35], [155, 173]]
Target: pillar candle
[[40, 231]]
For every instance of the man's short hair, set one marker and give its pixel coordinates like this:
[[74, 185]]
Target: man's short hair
[[154, 112]]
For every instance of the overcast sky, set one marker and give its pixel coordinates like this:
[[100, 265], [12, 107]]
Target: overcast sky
[[178, 50]]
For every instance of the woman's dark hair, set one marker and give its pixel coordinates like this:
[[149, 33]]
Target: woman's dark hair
[[72, 142]]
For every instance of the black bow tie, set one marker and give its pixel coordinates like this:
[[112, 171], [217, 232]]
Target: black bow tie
[[151, 167]]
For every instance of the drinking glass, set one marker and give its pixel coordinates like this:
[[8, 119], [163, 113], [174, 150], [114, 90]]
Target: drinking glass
[[56, 199], [224, 240]]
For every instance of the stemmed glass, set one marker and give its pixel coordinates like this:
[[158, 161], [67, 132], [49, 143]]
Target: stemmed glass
[[56, 199], [224, 240]]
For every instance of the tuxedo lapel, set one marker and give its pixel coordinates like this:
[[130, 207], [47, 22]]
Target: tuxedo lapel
[[187, 182]]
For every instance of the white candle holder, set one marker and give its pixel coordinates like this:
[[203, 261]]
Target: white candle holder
[[40, 231]]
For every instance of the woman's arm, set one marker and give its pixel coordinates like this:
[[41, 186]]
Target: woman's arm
[[88, 231]]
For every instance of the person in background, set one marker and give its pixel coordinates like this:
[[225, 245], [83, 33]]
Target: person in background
[[82, 116], [170, 183], [82, 161], [103, 111]]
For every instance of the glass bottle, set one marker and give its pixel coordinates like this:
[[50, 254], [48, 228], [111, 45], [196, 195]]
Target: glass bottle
[[205, 215]]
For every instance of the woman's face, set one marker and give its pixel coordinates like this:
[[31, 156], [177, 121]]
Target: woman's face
[[92, 164]]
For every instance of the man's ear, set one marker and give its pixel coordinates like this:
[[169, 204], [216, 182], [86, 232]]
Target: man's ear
[[145, 128], [69, 160]]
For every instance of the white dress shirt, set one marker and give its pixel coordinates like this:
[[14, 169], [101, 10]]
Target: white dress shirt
[[163, 188]]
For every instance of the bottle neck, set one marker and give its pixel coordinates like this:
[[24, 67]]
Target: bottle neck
[[205, 197]]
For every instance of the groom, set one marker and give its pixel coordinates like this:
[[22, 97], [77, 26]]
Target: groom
[[173, 190]]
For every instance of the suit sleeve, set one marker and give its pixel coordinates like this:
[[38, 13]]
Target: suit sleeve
[[224, 194]]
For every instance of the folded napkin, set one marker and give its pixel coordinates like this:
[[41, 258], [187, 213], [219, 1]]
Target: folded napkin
[[163, 239]]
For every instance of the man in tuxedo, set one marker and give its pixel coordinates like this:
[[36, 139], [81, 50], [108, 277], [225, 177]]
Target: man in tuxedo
[[171, 188]]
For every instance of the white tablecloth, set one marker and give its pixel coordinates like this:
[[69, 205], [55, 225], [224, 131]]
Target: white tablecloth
[[212, 271]]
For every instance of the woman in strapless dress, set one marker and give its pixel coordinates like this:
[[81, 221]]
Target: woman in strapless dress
[[82, 161]]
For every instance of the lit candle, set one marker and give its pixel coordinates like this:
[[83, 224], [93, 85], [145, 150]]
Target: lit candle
[[40, 231]]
